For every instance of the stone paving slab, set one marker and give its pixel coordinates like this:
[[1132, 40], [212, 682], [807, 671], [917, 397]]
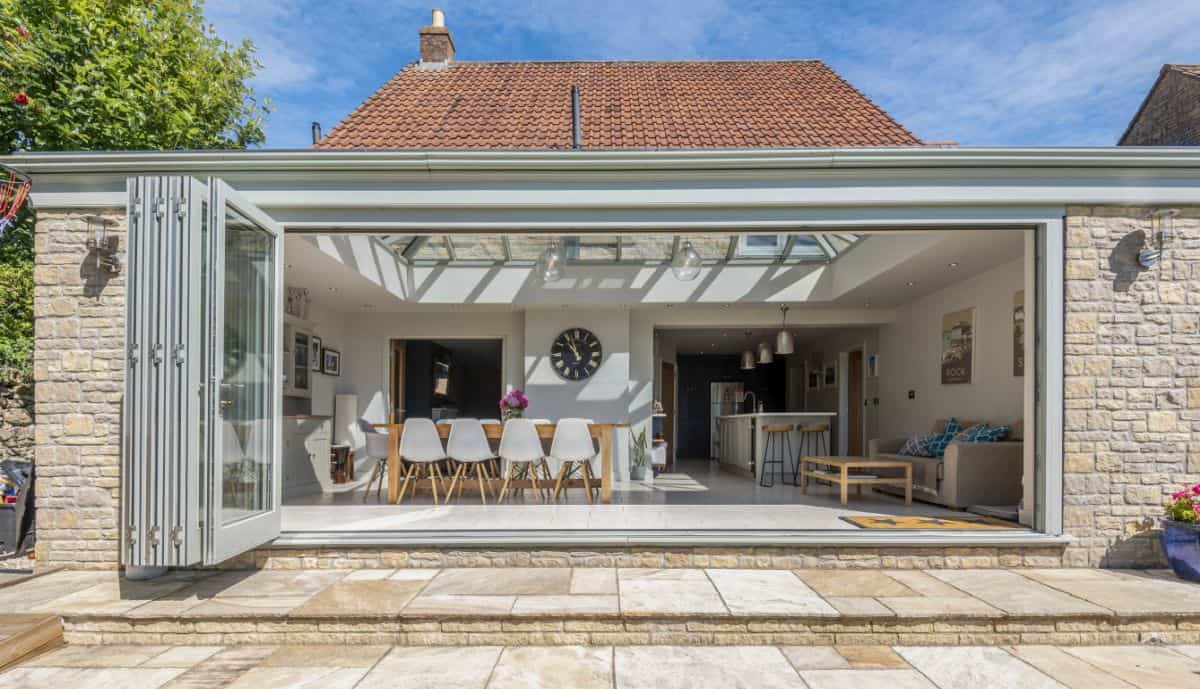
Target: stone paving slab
[[620, 606], [608, 667]]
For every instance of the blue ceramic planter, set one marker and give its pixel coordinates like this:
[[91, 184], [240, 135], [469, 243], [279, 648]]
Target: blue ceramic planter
[[1181, 543]]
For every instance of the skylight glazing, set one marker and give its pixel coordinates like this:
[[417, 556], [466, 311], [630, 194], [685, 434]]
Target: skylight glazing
[[644, 249]]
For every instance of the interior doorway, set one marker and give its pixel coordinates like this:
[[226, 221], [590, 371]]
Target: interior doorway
[[446, 379], [668, 403], [855, 403]]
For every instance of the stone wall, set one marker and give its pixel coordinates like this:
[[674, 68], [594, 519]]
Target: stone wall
[[1171, 116], [1132, 388], [78, 369], [16, 423]]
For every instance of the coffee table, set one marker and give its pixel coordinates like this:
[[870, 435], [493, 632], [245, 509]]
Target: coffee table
[[842, 476]]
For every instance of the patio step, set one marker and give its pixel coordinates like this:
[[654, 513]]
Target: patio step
[[604, 606], [25, 635]]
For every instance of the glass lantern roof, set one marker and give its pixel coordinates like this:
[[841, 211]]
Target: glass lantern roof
[[642, 249]]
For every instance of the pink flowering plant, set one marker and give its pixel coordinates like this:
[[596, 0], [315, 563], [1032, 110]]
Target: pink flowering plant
[[513, 405], [1182, 507]]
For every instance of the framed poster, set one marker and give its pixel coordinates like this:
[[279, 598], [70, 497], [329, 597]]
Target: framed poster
[[1019, 334], [331, 362], [315, 354], [830, 375], [814, 379], [958, 346], [873, 366]]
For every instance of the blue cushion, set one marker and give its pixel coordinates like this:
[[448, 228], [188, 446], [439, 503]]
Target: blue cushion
[[970, 434], [941, 440], [993, 434]]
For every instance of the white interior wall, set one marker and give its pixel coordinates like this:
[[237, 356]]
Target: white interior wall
[[910, 357], [833, 350]]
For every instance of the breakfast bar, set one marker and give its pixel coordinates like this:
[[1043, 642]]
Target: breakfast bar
[[742, 437]]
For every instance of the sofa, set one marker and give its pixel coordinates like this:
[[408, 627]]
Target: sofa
[[968, 474]]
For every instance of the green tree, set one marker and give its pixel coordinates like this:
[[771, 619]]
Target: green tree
[[81, 75]]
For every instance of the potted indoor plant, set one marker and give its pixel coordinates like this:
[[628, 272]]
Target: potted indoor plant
[[640, 458], [1181, 533], [513, 405]]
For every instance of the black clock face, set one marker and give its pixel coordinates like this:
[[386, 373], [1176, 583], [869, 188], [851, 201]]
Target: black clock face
[[576, 354]]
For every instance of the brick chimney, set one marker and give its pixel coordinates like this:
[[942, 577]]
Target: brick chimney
[[437, 48]]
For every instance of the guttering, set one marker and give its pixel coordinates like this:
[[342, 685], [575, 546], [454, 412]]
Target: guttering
[[198, 162]]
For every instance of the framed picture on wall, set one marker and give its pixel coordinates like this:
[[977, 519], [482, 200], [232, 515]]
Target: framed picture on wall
[[317, 359], [814, 379], [958, 347], [331, 362], [830, 375], [873, 366]]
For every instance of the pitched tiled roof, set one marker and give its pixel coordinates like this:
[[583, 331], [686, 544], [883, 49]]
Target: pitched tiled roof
[[630, 105]]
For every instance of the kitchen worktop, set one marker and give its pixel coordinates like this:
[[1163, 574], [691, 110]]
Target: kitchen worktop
[[778, 413]]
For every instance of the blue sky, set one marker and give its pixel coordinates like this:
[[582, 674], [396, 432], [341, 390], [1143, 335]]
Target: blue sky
[[977, 72]]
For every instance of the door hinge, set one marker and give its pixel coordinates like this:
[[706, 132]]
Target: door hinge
[[157, 353], [152, 536], [179, 356], [177, 535]]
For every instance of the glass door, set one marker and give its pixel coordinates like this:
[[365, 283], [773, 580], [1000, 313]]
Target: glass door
[[243, 278]]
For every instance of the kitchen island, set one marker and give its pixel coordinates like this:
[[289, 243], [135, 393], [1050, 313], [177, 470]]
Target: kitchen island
[[741, 437]]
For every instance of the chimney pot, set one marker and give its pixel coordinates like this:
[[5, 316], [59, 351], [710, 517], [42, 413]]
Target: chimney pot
[[437, 48]]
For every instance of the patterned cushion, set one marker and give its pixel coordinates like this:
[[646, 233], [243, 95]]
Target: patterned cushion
[[918, 445], [969, 434], [982, 433], [941, 440]]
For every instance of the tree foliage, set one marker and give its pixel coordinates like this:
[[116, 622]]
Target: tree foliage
[[81, 75]]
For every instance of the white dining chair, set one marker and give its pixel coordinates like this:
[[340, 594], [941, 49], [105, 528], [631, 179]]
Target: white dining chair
[[376, 448], [421, 447], [521, 454], [573, 450], [468, 447]]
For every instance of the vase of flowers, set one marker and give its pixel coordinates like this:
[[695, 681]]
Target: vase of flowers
[[513, 405], [1181, 533]]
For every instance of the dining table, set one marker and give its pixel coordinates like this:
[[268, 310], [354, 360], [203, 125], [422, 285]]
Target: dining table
[[603, 432]]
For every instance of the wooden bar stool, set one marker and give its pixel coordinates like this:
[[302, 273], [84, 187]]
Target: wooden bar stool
[[812, 444], [779, 437]]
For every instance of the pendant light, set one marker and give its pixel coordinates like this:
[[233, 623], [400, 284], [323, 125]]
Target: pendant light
[[764, 353], [748, 355], [784, 343], [551, 264], [686, 262]]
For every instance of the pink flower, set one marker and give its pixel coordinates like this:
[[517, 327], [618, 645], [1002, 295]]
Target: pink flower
[[24, 33], [21, 99], [1196, 489], [1177, 495]]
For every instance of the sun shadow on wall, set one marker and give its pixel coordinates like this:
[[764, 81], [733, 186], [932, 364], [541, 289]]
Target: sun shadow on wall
[[1123, 261]]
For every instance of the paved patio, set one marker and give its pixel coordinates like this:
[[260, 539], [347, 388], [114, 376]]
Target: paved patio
[[607, 667], [607, 606]]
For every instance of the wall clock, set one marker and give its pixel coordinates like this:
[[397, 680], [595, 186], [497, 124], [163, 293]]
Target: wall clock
[[576, 354]]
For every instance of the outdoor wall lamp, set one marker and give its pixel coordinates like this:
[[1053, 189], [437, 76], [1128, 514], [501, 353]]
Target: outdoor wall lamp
[[105, 245], [1162, 232]]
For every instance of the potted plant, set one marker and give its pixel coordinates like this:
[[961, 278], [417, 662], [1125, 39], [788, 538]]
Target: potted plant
[[1181, 533], [513, 405], [640, 456]]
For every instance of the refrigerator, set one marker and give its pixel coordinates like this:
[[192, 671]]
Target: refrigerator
[[723, 400]]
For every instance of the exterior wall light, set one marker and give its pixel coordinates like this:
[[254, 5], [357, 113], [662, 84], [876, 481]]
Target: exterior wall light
[[107, 247], [686, 262], [1162, 224]]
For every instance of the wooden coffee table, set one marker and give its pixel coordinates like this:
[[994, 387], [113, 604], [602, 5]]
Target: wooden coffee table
[[845, 479]]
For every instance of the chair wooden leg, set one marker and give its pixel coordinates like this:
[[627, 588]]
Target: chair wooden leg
[[480, 472], [383, 472], [547, 478], [458, 475], [407, 478], [508, 475], [531, 472], [587, 481], [434, 474], [558, 485], [374, 471]]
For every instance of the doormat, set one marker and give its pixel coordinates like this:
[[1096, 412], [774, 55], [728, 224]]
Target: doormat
[[930, 523]]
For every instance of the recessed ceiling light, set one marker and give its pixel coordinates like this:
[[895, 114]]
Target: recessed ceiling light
[[332, 289], [953, 265], [867, 305], [911, 283]]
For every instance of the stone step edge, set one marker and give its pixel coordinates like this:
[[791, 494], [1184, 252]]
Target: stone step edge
[[615, 630]]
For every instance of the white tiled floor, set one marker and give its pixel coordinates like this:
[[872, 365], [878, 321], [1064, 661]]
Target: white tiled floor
[[697, 496]]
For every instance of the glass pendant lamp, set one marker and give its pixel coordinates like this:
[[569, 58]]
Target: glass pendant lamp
[[686, 262]]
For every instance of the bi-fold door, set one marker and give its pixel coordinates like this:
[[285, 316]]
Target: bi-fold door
[[201, 477]]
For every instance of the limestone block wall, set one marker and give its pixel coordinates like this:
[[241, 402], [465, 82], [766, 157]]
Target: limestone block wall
[[78, 369], [1132, 387], [16, 423]]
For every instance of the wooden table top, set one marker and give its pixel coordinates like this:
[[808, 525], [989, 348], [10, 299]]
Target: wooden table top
[[856, 461]]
